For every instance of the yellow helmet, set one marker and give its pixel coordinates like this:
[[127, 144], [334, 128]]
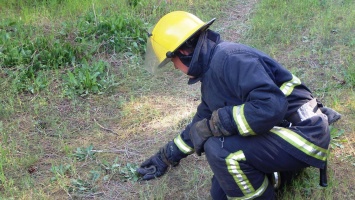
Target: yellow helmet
[[171, 31]]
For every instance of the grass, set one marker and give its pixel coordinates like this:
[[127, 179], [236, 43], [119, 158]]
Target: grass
[[78, 112]]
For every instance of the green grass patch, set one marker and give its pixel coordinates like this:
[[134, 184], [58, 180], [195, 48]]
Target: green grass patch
[[320, 37]]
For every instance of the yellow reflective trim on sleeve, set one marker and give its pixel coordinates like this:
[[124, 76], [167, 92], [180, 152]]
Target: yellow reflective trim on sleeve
[[257, 193], [242, 124], [186, 149], [288, 86], [300, 143]]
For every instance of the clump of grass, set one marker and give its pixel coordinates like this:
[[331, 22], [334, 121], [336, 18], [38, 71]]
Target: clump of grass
[[30, 48], [87, 184], [88, 79], [27, 52]]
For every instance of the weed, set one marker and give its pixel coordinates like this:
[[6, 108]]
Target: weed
[[124, 172], [61, 170], [110, 169], [114, 32], [29, 49], [82, 154], [129, 172], [82, 186], [336, 137], [85, 79]]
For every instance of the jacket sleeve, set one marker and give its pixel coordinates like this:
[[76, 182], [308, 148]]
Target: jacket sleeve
[[182, 141], [263, 103]]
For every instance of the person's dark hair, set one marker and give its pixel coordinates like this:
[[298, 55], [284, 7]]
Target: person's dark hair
[[190, 43]]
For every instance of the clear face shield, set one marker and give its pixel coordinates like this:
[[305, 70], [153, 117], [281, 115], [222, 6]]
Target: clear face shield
[[151, 62]]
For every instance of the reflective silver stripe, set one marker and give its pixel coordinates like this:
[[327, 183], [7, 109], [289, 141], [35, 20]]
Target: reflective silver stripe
[[276, 180], [257, 193], [242, 124], [300, 143], [288, 86], [182, 145], [238, 175]]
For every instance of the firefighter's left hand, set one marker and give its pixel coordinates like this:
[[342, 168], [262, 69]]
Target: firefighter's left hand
[[153, 167], [199, 133]]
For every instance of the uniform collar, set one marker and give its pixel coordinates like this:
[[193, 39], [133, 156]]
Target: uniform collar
[[208, 40]]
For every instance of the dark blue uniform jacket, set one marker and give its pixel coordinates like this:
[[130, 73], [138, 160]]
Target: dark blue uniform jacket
[[253, 93]]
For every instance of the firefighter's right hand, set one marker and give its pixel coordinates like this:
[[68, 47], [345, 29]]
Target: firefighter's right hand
[[152, 167], [199, 133]]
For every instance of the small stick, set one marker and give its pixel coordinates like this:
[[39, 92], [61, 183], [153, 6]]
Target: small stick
[[115, 151], [106, 129]]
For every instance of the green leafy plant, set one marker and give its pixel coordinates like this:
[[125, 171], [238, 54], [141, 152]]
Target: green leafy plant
[[81, 186], [115, 32], [85, 186], [129, 172], [125, 172], [335, 134], [61, 171], [30, 49], [82, 154], [85, 79], [33, 47]]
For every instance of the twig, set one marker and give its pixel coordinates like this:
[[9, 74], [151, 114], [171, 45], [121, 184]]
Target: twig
[[95, 194], [108, 151], [115, 151], [106, 129]]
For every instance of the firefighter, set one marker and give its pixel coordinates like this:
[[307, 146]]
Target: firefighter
[[255, 117]]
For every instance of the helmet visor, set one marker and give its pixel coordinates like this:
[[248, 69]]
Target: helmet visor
[[151, 61]]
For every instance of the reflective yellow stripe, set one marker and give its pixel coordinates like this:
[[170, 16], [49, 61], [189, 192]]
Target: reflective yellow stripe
[[241, 122], [241, 179], [300, 143], [288, 86], [182, 145], [238, 175], [257, 193], [238, 111]]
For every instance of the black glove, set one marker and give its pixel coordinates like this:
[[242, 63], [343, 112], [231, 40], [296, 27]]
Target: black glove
[[153, 167], [199, 133], [332, 115]]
